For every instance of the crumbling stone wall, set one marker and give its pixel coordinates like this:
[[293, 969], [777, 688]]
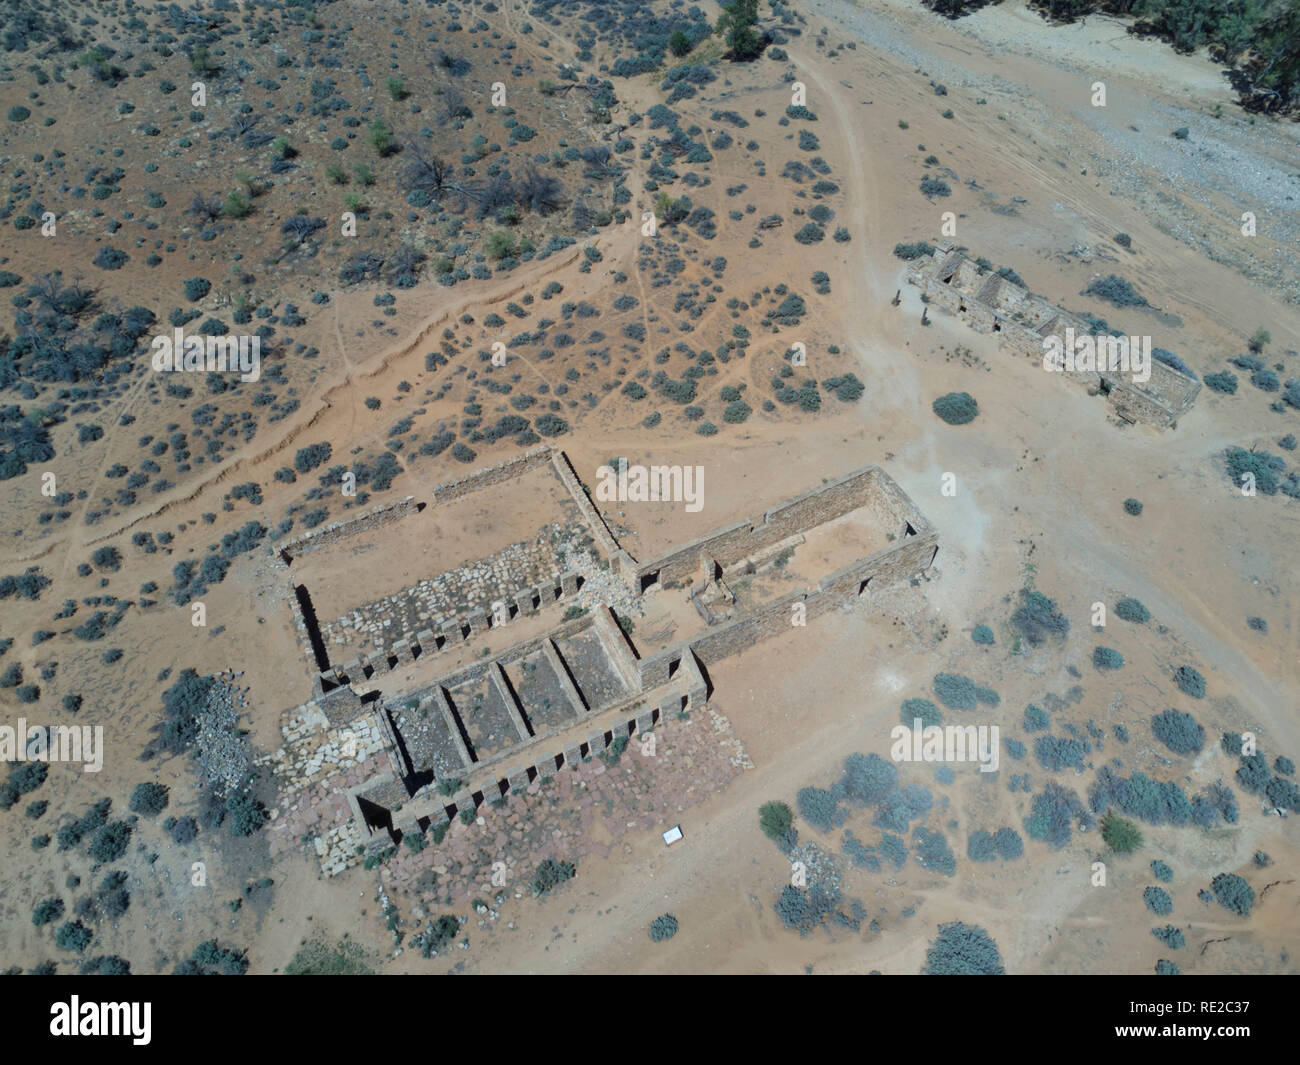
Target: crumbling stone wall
[[490, 475], [867, 487], [1023, 321], [897, 562], [509, 576], [335, 531], [448, 632], [621, 562]]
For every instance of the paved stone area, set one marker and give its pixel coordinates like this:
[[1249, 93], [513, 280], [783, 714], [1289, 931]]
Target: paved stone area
[[580, 812], [378, 624]]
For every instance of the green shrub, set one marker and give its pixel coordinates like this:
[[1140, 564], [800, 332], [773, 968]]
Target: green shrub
[[1224, 382], [1190, 682], [1283, 794], [110, 842], [920, 250], [933, 852], [979, 847], [47, 911], [148, 799], [1115, 290], [1170, 936], [247, 814], [1132, 610], [550, 874], [73, 936], [820, 808], [1053, 814], [1178, 731], [1008, 844], [663, 927], [1121, 836], [982, 634], [775, 819], [956, 408], [920, 708], [868, 778], [1158, 901], [1133, 506], [1056, 753], [1106, 658], [963, 950], [1233, 893], [1262, 465], [1038, 618], [955, 691]]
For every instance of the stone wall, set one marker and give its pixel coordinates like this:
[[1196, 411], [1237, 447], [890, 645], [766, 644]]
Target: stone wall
[[491, 475], [620, 561], [866, 487], [899, 561], [1173, 390], [510, 577], [335, 531], [448, 632], [1023, 320]]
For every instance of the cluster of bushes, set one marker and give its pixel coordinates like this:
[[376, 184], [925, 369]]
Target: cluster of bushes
[[1005, 843], [551, 873], [1160, 802], [806, 908], [1116, 290], [1053, 813], [961, 693], [209, 957], [1055, 753], [933, 852], [1037, 618]]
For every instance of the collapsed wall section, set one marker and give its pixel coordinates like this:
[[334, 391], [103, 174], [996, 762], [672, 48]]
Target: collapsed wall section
[[336, 531], [870, 487], [492, 475], [1023, 321], [913, 554], [620, 561]]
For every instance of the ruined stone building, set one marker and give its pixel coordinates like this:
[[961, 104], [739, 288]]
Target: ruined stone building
[[991, 303], [434, 723]]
